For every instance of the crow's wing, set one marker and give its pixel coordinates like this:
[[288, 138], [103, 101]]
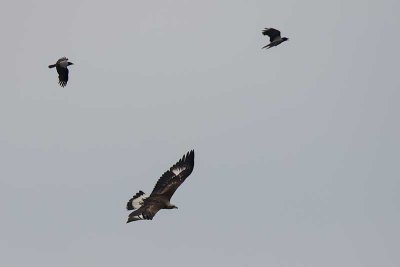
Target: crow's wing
[[272, 33], [62, 75]]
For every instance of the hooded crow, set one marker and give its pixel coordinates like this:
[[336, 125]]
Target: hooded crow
[[61, 67], [274, 37]]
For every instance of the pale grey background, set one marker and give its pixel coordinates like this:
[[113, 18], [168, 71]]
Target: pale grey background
[[297, 147]]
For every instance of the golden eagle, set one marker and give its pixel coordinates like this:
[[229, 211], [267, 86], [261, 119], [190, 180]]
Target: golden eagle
[[145, 207]]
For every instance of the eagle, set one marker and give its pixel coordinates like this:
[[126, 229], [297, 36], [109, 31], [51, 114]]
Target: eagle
[[146, 206], [61, 67], [274, 37]]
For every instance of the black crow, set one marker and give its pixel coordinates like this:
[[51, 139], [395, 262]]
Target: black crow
[[274, 37], [61, 67]]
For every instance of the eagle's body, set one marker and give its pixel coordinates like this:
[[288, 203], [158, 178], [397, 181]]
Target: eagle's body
[[146, 206], [274, 37], [62, 70]]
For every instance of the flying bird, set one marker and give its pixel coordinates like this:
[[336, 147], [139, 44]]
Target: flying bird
[[274, 37], [146, 206], [62, 69]]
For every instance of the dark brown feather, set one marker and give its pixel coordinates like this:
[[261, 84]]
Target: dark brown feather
[[149, 209], [169, 182]]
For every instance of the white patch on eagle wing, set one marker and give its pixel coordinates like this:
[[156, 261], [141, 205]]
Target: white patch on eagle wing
[[138, 202], [178, 170], [138, 217]]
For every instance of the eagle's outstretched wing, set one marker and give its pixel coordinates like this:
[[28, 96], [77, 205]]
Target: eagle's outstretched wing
[[147, 211], [272, 33], [174, 177]]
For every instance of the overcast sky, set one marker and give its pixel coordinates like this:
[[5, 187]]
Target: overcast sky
[[297, 147]]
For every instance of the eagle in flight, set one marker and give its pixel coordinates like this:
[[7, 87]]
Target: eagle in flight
[[274, 37], [146, 206], [61, 67]]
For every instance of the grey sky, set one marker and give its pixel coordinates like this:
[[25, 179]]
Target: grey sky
[[297, 147]]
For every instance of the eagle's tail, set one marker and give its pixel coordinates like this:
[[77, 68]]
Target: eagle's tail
[[52, 66], [136, 201]]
